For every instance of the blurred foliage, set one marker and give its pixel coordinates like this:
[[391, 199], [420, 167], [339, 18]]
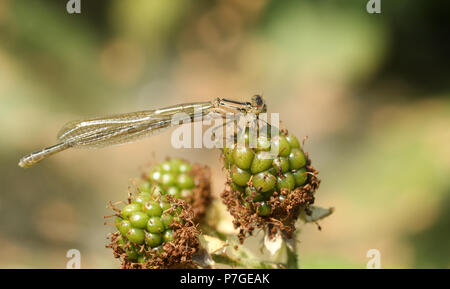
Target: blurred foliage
[[370, 91], [431, 245]]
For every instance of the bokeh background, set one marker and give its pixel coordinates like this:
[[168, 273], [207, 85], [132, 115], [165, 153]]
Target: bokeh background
[[370, 91]]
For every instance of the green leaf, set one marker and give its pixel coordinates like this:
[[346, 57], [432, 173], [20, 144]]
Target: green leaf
[[317, 213]]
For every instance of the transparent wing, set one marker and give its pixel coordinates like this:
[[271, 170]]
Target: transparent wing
[[127, 127], [117, 129], [75, 127], [113, 130]]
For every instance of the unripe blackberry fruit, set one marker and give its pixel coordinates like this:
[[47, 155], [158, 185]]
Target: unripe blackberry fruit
[[258, 169], [157, 233], [181, 180], [269, 188]]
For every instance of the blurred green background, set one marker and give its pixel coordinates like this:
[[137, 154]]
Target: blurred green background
[[370, 91]]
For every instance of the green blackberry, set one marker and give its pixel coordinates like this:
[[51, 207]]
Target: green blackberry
[[181, 180], [267, 189], [154, 231]]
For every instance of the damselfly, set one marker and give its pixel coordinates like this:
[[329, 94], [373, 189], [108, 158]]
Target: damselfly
[[128, 127]]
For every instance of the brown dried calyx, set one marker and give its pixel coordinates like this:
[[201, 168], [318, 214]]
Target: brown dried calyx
[[284, 213]]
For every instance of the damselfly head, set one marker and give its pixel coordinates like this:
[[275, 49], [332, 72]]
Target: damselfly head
[[258, 105]]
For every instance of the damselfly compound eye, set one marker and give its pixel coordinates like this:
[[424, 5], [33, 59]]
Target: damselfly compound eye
[[258, 104], [257, 100]]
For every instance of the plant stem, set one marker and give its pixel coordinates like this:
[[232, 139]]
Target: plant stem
[[292, 257]]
